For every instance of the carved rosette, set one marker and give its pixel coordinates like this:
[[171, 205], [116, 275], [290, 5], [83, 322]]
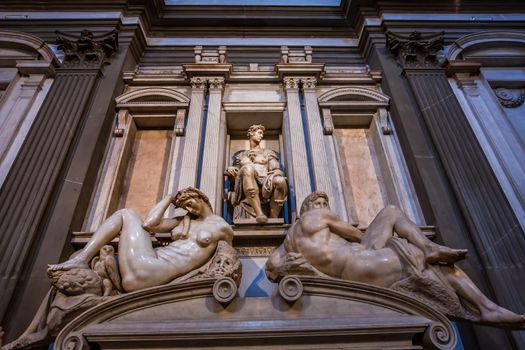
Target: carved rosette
[[416, 50], [510, 98], [87, 50], [291, 82]]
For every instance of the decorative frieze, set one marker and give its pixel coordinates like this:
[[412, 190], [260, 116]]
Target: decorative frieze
[[87, 50]]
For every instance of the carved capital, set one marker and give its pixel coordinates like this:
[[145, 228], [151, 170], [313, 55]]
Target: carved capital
[[216, 83], [416, 50], [291, 82], [87, 50], [198, 83], [510, 98], [309, 83]]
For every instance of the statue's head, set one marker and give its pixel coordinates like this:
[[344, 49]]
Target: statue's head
[[315, 200], [191, 200], [256, 132]]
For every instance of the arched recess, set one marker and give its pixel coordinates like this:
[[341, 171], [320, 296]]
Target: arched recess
[[487, 75], [140, 163], [26, 43], [371, 165], [490, 46], [26, 70], [152, 94], [354, 94]]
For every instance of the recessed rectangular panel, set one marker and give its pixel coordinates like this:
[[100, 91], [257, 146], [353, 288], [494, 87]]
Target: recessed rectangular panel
[[146, 174], [361, 174]]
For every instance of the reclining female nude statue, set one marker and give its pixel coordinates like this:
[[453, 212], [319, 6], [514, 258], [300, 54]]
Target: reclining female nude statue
[[201, 248], [321, 244], [143, 266]]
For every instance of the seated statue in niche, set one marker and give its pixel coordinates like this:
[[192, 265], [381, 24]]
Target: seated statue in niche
[[201, 249], [259, 181], [392, 253]]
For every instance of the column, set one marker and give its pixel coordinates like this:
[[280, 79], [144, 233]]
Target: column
[[324, 167], [212, 166], [296, 143], [190, 156]]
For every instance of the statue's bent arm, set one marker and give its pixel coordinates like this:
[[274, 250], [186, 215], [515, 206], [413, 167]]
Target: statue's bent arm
[[155, 221], [343, 229]]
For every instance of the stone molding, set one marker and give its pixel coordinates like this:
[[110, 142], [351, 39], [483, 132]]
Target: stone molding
[[87, 50], [416, 50]]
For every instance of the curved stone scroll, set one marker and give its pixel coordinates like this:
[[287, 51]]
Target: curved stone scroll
[[186, 315]]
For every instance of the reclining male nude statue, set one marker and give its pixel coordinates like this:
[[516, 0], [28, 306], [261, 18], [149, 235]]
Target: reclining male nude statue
[[323, 242], [141, 265]]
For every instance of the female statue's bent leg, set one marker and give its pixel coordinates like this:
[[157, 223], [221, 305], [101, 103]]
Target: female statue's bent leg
[[138, 262]]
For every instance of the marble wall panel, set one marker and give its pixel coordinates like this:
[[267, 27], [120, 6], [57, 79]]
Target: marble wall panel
[[361, 176], [147, 169], [254, 93]]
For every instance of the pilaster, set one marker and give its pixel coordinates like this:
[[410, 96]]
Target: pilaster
[[211, 176], [33, 187], [301, 175], [497, 139], [190, 156], [494, 227], [323, 165]]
